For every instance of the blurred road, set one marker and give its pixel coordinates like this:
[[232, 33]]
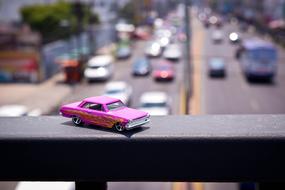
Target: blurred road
[[139, 186], [234, 94], [139, 84]]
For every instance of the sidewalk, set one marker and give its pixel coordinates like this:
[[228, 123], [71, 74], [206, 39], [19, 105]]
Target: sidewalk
[[45, 96]]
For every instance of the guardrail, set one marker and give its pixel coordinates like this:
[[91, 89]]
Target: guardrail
[[218, 148]]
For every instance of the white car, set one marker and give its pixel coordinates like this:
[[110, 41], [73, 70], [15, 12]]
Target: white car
[[163, 37], [16, 110], [120, 90], [217, 36], [13, 111], [172, 52], [153, 49], [155, 103], [99, 68]]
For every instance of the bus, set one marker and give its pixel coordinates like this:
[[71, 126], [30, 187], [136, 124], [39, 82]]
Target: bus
[[258, 59]]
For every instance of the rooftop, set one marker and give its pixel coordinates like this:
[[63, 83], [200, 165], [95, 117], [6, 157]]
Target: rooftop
[[101, 99]]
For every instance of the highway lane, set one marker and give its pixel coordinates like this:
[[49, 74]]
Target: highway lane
[[234, 94], [140, 84]]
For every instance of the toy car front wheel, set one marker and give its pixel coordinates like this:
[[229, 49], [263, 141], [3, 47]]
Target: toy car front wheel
[[119, 127], [77, 121]]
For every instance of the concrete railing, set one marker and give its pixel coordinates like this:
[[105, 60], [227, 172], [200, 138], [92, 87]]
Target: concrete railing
[[218, 148]]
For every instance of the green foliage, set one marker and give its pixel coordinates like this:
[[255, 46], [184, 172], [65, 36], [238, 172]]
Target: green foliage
[[127, 12], [48, 19]]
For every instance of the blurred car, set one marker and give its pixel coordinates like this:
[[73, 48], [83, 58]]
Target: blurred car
[[142, 33], [215, 20], [28, 185], [13, 110], [16, 110], [141, 66], [99, 68], [155, 103], [258, 59], [163, 36], [234, 37], [153, 49], [163, 41], [123, 52], [216, 67], [217, 36], [172, 52], [163, 71], [120, 90]]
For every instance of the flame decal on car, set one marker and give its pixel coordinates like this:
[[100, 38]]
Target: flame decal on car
[[98, 119]]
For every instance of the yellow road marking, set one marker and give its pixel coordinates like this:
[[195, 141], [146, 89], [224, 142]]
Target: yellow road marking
[[179, 186], [195, 101], [196, 55], [197, 186]]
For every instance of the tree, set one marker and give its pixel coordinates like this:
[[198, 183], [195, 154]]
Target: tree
[[127, 12], [48, 18]]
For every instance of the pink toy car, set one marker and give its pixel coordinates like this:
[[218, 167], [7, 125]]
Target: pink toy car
[[106, 112]]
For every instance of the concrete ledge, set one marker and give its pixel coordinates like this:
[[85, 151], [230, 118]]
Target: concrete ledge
[[172, 148]]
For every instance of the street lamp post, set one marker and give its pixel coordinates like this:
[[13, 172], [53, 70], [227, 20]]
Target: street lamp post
[[187, 69]]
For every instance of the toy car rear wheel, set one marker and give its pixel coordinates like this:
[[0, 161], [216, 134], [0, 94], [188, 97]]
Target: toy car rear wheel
[[119, 127], [77, 121]]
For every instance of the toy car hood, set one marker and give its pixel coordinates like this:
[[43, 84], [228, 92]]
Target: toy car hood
[[128, 113]]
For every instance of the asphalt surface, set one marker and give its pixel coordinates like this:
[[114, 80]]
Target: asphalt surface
[[234, 94], [140, 84]]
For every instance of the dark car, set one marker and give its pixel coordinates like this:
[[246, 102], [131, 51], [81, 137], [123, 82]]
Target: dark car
[[216, 67], [141, 67]]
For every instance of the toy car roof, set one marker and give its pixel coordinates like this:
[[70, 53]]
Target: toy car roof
[[101, 99]]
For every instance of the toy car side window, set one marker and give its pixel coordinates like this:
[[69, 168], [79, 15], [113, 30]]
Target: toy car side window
[[93, 106]]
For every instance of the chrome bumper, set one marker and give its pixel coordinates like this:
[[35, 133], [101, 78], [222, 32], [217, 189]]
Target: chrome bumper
[[137, 122]]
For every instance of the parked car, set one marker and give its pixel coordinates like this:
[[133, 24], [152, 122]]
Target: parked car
[[99, 68], [120, 90], [141, 66], [164, 71], [153, 49], [216, 67], [106, 112], [155, 103], [172, 52]]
